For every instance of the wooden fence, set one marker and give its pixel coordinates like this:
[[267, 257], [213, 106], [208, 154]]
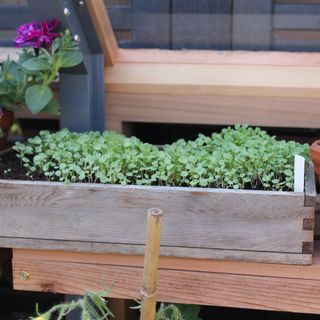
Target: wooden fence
[[292, 25]]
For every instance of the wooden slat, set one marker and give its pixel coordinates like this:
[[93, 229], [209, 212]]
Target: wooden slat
[[233, 80], [310, 272], [104, 30], [191, 109], [151, 24], [212, 219], [260, 58], [202, 24], [215, 287], [310, 188], [197, 253], [252, 25]]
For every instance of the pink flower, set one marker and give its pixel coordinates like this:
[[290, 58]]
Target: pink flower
[[37, 35]]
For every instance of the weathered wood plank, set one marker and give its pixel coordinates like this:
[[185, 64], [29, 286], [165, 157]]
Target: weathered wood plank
[[310, 272], [204, 288], [202, 24], [252, 25], [310, 187], [191, 253], [196, 218], [151, 23]]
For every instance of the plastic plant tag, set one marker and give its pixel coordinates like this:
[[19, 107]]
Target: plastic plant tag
[[299, 167]]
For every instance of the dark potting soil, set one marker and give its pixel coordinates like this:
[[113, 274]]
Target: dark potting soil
[[11, 168]]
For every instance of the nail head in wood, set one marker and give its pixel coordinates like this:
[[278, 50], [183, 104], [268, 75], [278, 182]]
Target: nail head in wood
[[24, 275]]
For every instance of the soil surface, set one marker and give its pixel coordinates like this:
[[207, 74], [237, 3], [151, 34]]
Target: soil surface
[[11, 168]]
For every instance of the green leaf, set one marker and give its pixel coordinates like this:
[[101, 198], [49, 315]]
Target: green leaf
[[56, 44], [36, 64], [37, 97], [52, 108], [70, 59]]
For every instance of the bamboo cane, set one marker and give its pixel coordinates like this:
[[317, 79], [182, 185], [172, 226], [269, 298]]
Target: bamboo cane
[[149, 286]]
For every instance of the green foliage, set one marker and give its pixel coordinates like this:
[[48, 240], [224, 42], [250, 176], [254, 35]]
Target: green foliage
[[27, 81], [237, 158], [92, 306], [178, 312], [13, 83]]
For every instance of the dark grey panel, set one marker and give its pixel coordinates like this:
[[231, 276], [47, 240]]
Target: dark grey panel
[[202, 24], [295, 16], [151, 23], [252, 24], [121, 17]]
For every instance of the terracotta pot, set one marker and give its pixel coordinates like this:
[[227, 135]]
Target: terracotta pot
[[315, 156], [6, 121]]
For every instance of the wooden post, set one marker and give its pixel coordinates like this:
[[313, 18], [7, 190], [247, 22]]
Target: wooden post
[[149, 287]]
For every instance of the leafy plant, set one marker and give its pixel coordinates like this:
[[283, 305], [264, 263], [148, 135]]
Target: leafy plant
[[27, 81], [178, 312], [237, 158], [92, 306]]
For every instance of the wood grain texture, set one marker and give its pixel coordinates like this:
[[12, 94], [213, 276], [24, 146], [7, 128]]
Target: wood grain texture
[[104, 30], [198, 221], [235, 80], [310, 272], [310, 187], [193, 253], [193, 109], [269, 58], [178, 286]]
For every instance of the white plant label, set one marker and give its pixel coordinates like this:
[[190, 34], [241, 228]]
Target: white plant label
[[299, 165]]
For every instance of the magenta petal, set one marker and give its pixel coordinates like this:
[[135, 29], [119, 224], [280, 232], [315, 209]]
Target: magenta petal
[[52, 24]]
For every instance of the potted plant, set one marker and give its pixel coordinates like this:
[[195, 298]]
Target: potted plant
[[229, 196], [27, 81]]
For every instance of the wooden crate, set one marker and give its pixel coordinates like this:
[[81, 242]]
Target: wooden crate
[[261, 226]]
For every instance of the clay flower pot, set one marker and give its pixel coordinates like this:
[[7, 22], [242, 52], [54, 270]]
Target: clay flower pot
[[6, 121], [315, 156]]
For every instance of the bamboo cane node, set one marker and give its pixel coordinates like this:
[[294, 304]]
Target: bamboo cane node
[[145, 293], [155, 212]]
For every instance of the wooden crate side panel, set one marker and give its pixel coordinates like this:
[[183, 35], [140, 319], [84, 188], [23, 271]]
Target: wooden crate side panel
[[194, 218], [203, 288], [173, 252]]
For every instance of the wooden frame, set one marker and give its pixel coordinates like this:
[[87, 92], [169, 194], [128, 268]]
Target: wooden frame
[[207, 87], [217, 283]]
